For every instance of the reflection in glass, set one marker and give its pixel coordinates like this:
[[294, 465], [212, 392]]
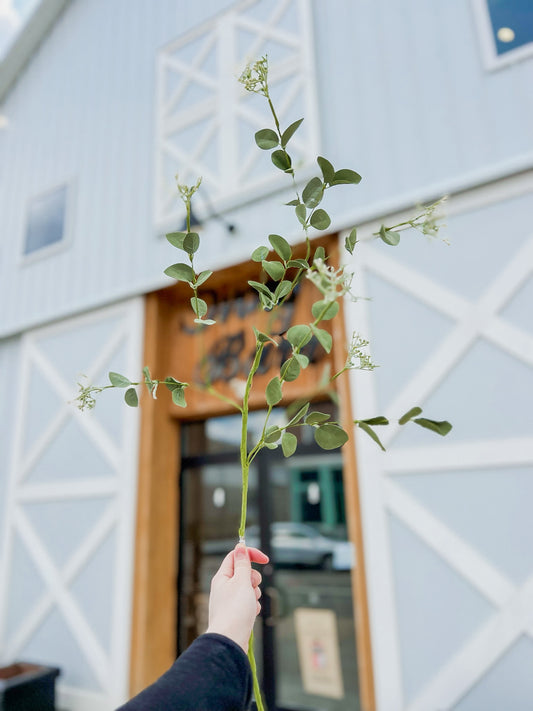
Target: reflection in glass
[[296, 511]]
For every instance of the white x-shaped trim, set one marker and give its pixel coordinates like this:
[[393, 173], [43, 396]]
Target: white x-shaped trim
[[109, 665], [223, 105], [514, 616], [473, 320], [382, 493]]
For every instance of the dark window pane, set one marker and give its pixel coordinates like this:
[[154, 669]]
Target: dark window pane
[[46, 220], [512, 23]]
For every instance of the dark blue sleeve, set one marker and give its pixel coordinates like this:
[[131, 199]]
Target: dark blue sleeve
[[213, 674]]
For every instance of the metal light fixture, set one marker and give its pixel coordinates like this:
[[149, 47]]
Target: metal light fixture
[[212, 214]]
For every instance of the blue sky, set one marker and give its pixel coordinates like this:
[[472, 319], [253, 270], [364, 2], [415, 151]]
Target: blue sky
[[13, 15]]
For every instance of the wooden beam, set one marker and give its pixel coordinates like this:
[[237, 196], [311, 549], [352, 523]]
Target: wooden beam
[[153, 646], [353, 519]]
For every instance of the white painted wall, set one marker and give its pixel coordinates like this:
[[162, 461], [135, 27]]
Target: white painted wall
[[68, 508], [448, 522], [403, 97], [401, 93]]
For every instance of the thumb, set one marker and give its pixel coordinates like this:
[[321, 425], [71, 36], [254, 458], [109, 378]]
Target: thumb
[[242, 561]]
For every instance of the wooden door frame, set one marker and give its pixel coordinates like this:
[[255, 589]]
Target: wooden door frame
[[155, 578]]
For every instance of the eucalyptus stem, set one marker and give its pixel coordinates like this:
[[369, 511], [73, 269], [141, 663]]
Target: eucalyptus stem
[[257, 688], [220, 396], [245, 465], [245, 468]]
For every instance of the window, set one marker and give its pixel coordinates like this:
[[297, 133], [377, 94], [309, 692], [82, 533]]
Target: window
[[512, 23], [506, 28], [46, 220]]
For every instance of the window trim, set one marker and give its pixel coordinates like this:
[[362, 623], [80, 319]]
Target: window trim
[[65, 241], [491, 59]]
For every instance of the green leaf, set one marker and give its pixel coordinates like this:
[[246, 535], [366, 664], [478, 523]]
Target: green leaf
[[273, 392], [266, 139], [325, 310], [302, 359], [370, 432], [191, 243], [272, 434], [180, 272], [290, 370], [282, 160], [205, 321], [203, 277], [345, 176], [442, 428], [413, 412], [312, 193], [266, 302], [351, 241], [380, 420], [301, 213], [320, 219], [320, 253], [118, 380], [389, 237], [298, 336], [178, 397], [323, 337], [259, 254], [261, 288], [130, 396], [271, 445], [171, 383], [176, 239], [328, 171], [281, 246], [298, 263], [262, 337], [289, 132], [316, 418], [288, 444], [275, 270], [293, 203], [282, 289], [302, 412], [199, 306], [330, 436], [150, 384]]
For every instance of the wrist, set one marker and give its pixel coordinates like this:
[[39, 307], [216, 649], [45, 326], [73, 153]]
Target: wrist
[[242, 643]]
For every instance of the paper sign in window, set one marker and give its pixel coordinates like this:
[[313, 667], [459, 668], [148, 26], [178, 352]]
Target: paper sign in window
[[319, 652]]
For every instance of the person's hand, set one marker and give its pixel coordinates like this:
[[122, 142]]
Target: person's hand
[[234, 599]]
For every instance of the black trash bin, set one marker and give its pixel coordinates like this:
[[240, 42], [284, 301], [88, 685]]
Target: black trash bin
[[27, 687]]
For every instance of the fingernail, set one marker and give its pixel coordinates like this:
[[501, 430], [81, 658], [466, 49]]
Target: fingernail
[[240, 552]]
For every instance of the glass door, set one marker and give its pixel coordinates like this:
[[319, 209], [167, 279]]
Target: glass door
[[305, 641], [309, 592]]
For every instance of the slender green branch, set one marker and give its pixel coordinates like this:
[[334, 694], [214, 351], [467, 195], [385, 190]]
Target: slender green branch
[[223, 398], [245, 466], [257, 688]]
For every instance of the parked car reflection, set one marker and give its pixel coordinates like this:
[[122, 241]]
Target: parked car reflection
[[301, 545]]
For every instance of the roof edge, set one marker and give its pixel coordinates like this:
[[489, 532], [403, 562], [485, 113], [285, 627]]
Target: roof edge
[[22, 50]]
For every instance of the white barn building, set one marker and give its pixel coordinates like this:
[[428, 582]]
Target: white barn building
[[103, 553]]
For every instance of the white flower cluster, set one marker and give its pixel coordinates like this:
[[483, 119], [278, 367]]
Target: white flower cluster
[[430, 221], [85, 397], [185, 191], [357, 358], [333, 283], [255, 77]]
